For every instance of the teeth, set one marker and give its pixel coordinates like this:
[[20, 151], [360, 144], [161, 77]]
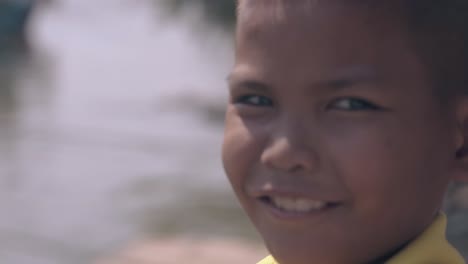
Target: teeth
[[297, 205]]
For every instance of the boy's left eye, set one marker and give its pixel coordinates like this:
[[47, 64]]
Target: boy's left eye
[[353, 104]]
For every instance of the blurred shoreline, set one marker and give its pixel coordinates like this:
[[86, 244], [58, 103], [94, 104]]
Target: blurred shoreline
[[188, 250]]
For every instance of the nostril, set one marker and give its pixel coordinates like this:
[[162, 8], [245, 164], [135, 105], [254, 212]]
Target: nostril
[[461, 153], [297, 168], [265, 199]]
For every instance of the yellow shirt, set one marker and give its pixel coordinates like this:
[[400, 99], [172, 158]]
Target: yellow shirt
[[430, 247]]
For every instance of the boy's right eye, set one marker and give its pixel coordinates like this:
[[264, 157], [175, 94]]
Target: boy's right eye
[[254, 100]]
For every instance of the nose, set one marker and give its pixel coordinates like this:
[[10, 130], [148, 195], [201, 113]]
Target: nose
[[291, 149]]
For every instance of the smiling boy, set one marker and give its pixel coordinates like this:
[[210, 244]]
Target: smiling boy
[[347, 121]]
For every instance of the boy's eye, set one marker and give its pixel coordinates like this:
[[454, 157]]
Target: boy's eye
[[254, 100], [353, 104]]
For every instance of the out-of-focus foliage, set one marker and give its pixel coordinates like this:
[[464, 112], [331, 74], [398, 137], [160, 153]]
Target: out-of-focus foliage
[[13, 16], [220, 12]]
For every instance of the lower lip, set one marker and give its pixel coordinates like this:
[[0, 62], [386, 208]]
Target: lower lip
[[294, 215]]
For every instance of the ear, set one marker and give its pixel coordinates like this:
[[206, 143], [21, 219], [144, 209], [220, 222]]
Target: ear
[[461, 156]]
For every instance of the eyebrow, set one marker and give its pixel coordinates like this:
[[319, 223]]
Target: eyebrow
[[239, 79], [349, 77], [343, 79]]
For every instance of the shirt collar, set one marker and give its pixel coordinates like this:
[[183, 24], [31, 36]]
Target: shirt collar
[[430, 247]]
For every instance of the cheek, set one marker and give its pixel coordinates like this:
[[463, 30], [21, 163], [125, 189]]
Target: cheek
[[240, 151], [387, 167]]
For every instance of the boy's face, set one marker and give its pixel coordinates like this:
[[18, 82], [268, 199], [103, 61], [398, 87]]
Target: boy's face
[[335, 143]]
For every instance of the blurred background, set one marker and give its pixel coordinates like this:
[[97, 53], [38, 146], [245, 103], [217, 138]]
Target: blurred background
[[111, 115]]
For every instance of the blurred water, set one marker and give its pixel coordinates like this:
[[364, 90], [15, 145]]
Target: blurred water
[[109, 132]]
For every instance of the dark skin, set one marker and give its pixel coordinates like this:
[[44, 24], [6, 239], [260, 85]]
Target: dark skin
[[331, 103]]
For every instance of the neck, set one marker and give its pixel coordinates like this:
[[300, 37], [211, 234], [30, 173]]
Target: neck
[[388, 256]]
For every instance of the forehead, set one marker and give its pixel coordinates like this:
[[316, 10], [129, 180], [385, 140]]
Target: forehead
[[312, 38], [260, 18]]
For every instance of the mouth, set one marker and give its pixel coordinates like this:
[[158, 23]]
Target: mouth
[[287, 207]]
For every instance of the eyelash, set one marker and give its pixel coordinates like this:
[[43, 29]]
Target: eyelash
[[359, 105], [262, 101], [353, 104]]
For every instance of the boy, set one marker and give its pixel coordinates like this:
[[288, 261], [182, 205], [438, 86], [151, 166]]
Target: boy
[[347, 121]]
